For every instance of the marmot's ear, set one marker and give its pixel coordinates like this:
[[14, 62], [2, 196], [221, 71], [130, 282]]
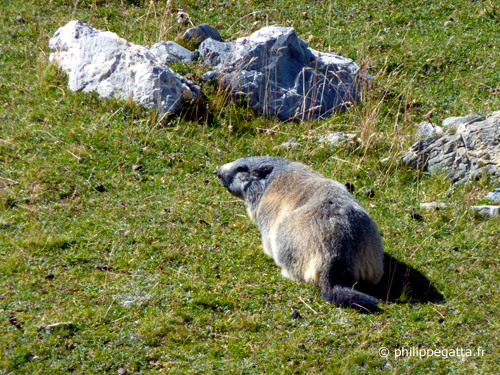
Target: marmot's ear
[[263, 170]]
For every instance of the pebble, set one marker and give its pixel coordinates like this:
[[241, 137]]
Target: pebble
[[493, 196], [431, 205], [416, 216], [485, 211], [369, 192]]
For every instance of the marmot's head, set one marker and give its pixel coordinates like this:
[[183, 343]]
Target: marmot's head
[[246, 178]]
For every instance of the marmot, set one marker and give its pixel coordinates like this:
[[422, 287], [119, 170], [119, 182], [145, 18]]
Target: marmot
[[311, 226]]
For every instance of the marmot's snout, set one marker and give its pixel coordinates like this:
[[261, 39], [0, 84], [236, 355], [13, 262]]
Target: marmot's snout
[[223, 177]]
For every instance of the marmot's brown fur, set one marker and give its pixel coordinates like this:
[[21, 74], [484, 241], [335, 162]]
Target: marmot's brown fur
[[311, 226]]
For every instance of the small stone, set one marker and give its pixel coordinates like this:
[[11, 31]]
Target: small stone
[[50, 276], [493, 196], [56, 326], [215, 266], [485, 211], [349, 187], [332, 139], [20, 19], [295, 314], [137, 167], [100, 188], [368, 192], [209, 76], [14, 322], [440, 320], [122, 371], [416, 216], [426, 130], [433, 205], [102, 267], [200, 33], [291, 143], [195, 55], [385, 162]]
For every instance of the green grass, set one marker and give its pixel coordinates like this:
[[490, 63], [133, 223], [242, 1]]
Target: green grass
[[160, 270]]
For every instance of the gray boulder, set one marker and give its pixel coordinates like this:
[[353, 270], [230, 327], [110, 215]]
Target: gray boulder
[[469, 153], [280, 76], [200, 33], [171, 52], [103, 62]]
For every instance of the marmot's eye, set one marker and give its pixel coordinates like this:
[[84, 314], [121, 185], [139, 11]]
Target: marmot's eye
[[241, 168]]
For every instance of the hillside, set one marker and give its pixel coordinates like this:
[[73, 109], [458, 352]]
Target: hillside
[[112, 222]]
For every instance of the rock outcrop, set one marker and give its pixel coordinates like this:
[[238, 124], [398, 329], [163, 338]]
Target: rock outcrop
[[103, 62], [469, 153], [272, 70], [280, 76]]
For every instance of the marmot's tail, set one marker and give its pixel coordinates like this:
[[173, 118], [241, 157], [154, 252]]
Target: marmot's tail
[[347, 297]]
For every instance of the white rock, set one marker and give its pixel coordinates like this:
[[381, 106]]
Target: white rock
[[336, 138], [493, 211], [433, 205], [290, 144], [103, 62], [56, 326]]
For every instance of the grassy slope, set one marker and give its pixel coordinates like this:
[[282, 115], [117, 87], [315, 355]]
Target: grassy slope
[[206, 297]]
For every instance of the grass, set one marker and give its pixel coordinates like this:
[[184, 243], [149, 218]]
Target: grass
[[159, 269]]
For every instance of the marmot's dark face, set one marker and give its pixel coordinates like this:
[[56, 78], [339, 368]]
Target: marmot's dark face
[[235, 177], [244, 175]]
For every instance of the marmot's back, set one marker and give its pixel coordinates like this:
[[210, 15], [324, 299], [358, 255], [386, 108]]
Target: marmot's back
[[310, 214]]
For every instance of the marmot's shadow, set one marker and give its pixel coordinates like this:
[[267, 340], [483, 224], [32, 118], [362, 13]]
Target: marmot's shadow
[[401, 282]]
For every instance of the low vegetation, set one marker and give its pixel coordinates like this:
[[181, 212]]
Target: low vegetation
[[111, 221]]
